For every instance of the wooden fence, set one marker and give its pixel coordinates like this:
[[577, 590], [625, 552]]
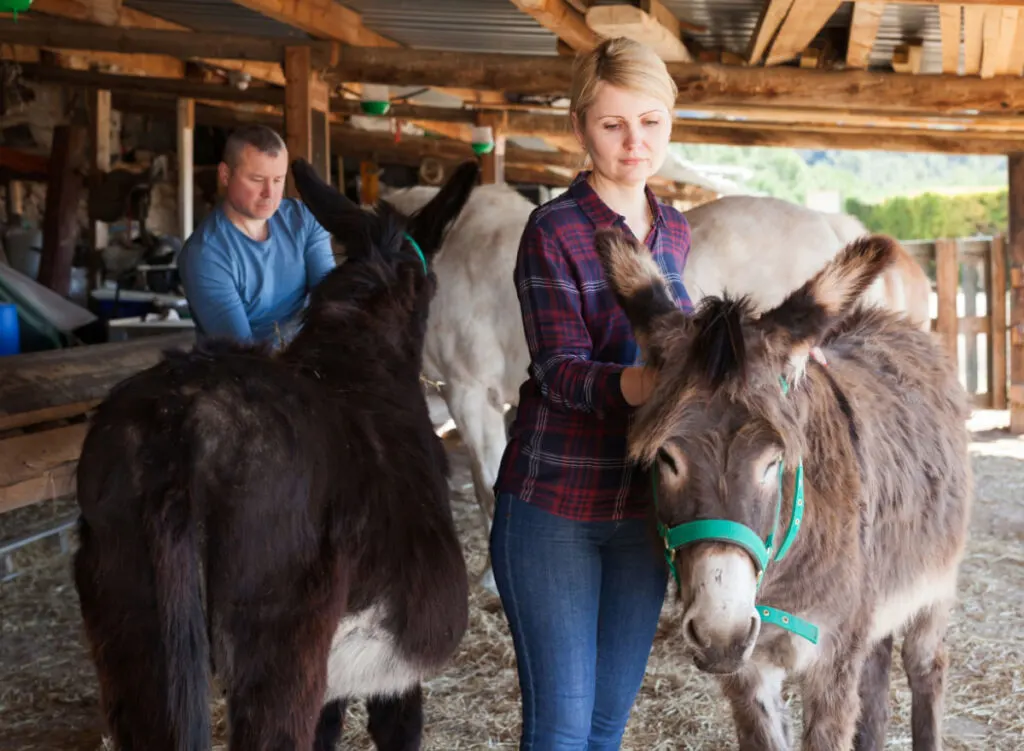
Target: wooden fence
[[969, 304]]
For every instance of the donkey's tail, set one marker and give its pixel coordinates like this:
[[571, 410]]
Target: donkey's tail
[[137, 572], [174, 550]]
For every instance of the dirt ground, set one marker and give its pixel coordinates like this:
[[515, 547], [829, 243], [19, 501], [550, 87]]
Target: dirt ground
[[48, 697]]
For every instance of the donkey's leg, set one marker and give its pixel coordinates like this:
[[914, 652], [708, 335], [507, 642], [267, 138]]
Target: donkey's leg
[[924, 659], [330, 725], [479, 417], [758, 710], [874, 698], [396, 722], [831, 701]]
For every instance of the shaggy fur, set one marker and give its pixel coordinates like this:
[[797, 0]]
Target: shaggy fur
[[882, 435], [297, 492]]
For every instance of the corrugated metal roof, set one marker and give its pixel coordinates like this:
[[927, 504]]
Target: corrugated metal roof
[[216, 16], [462, 25]]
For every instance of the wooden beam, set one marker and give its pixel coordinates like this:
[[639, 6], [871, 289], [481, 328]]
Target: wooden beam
[[492, 165], [131, 18], [949, 29], [631, 21], [773, 13], [991, 28], [803, 22], [99, 163], [1004, 53], [40, 386], [974, 20], [565, 21], [177, 87], [1015, 66], [180, 44], [867, 17], [699, 83], [324, 19], [906, 58], [995, 291], [305, 95]]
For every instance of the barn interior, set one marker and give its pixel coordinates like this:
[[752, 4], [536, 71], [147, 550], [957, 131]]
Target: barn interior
[[113, 114]]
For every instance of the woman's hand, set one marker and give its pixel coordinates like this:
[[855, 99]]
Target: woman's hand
[[637, 382]]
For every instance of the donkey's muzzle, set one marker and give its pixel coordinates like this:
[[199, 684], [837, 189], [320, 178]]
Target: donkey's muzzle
[[717, 651]]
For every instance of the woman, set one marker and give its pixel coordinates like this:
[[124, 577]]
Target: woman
[[580, 577]]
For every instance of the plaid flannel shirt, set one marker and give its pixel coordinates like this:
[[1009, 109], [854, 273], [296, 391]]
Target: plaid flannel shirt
[[567, 446]]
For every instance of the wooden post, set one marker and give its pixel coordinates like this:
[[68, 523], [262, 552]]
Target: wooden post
[[60, 220], [186, 166], [492, 165], [947, 278], [15, 198], [1015, 163], [99, 158], [995, 288], [970, 287], [306, 118], [369, 182]]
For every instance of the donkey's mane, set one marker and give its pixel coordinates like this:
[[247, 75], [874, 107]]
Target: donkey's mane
[[718, 353]]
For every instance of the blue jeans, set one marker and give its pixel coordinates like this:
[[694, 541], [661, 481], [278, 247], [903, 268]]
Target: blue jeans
[[582, 601]]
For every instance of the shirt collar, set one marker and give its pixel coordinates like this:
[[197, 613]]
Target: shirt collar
[[599, 212]]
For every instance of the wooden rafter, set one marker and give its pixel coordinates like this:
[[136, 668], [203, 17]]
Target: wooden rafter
[[804, 20], [950, 24], [635, 23], [867, 16], [131, 18], [773, 13], [563, 20], [974, 21], [1015, 66]]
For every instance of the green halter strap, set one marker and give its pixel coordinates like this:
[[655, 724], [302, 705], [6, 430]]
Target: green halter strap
[[763, 552], [416, 246]]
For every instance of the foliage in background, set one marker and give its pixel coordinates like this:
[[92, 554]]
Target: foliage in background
[[929, 216]]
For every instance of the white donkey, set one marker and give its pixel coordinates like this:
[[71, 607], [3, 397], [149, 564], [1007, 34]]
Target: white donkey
[[475, 348]]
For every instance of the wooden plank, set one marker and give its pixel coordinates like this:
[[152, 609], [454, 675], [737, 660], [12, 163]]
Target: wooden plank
[[39, 466], [867, 17], [563, 20], [71, 379], [1015, 168], [969, 323], [995, 291], [1008, 24], [993, 57], [321, 18], [950, 17], [906, 58], [773, 13], [492, 165], [698, 83], [803, 22], [974, 22], [179, 44], [947, 268], [632, 22], [1015, 66]]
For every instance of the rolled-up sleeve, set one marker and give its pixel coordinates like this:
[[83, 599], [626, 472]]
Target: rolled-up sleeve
[[556, 334]]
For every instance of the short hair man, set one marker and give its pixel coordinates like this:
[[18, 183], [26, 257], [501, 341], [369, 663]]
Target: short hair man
[[248, 267]]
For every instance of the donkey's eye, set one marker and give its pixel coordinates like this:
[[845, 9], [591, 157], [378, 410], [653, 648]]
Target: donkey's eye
[[669, 460], [771, 472]]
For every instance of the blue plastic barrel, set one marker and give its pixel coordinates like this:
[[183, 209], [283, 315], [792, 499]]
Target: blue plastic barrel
[[10, 340]]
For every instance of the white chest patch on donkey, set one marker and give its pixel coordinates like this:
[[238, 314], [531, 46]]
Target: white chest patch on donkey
[[365, 661]]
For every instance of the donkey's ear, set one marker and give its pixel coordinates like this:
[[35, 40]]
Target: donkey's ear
[[429, 224], [640, 289], [332, 209], [807, 314]]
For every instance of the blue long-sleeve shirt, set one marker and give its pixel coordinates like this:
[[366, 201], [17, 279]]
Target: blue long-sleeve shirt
[[249, 290]]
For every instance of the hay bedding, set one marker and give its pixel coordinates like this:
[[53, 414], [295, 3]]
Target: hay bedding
[[48, 689]]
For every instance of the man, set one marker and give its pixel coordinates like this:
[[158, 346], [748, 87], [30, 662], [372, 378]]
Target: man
[[248, 267]]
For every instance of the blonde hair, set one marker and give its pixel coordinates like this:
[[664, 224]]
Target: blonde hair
[[624, 63]]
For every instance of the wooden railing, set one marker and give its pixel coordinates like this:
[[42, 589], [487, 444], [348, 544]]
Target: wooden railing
[[969, 304]]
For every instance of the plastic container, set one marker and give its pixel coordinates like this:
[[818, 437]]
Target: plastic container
[[10, 336]]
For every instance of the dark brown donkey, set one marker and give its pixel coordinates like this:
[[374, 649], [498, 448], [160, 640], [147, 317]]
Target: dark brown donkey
[[810, 511], [302, 498]]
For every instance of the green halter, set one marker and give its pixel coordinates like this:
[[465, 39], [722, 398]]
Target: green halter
[[416, 246], [762, 552]]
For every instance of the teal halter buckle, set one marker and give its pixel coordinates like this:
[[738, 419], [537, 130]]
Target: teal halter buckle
[[761, 551], [416, 246]]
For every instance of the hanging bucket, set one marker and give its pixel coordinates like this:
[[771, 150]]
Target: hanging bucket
[[10, 339]]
